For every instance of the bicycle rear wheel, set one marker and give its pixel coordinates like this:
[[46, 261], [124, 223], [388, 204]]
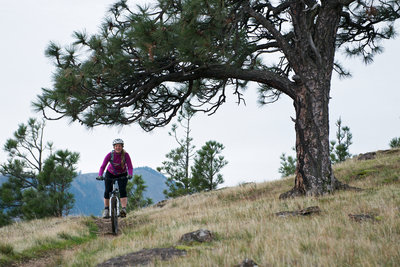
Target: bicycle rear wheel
[[114, 215]]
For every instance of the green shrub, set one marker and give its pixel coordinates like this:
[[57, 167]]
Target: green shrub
[[395, 142]]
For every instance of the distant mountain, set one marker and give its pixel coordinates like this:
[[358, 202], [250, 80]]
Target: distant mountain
[[89, 192], [2, 179]]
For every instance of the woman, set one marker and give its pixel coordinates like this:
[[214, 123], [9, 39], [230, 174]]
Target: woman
[[119, 165]]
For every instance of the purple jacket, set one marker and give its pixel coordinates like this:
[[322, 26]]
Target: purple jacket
[[115, 167]]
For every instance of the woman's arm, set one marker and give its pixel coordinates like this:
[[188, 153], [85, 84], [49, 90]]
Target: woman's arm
[[104, 165], [129, 164]]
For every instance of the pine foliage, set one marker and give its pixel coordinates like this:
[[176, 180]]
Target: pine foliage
[[340, 148], [207, 166], [135, 189], [38, 179]]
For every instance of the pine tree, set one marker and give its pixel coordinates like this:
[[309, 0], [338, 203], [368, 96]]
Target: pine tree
[[35, 187], [340, 148], [207, 166], [135, 190], [177, 167], [55, 180], [394, 142], [25, 159], [288, 165]]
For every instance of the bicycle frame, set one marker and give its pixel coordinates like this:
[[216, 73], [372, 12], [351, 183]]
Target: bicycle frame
[[114, 211], [114, 195]]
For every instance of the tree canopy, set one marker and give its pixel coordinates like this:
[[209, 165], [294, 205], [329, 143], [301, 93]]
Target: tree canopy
[[144, 65]]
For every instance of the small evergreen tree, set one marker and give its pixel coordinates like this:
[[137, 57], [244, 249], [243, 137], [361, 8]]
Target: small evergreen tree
[[395, 142], [35, 204], [135, 189], [177, 182], [339, 151], [177, 167], [207, 165], [25, 157], [288, 165], [55, 181], [25, 194]]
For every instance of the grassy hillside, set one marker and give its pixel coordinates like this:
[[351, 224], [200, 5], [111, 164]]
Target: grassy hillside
[[244, 223]]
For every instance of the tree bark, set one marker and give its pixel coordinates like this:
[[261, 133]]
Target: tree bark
[[314, 174]]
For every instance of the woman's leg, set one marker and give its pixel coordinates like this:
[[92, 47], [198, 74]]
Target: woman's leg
[[122, 192], [124, 201]]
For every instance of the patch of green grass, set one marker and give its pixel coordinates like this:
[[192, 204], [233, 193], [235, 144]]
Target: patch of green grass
[[307, 247], [390, 180], [362, 174], [184, 247], [64, 236], [92, 227], [201, 221], [6, 254], [6, 249]]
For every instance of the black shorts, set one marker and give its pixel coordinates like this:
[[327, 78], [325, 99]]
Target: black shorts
[[108, 182]]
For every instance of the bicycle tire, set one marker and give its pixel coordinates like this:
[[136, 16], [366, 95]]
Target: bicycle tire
[[114, 215]]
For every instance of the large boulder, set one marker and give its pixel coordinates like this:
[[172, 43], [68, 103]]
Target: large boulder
[[201, 235]]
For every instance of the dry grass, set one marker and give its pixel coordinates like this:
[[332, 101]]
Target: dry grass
[[243, 219], [25, 235]]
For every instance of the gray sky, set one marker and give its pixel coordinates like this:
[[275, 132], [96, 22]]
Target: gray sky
[[254, 137]]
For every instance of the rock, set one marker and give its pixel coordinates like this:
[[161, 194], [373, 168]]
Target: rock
[[367, 156], [201, 235], [161, 203], [247, 263], [303, 212], [144, 257]]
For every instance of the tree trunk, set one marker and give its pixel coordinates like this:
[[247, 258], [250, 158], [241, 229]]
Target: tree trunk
[[314, 175]]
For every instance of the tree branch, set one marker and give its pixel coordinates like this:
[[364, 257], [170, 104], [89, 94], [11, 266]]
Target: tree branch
[[283, 44]]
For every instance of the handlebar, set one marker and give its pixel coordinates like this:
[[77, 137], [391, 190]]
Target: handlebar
[[101, 178]]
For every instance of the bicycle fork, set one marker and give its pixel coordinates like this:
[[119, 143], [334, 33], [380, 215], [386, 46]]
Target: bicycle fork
[[112, 199]]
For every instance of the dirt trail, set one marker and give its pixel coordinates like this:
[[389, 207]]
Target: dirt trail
[[137, 258]]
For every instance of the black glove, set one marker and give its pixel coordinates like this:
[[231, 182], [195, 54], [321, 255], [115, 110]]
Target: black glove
[[99, 178], [129, 177]]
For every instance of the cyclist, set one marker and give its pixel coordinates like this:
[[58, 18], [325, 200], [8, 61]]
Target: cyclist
[[119, 165]]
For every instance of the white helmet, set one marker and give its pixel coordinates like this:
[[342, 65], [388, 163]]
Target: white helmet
[[118, 141]]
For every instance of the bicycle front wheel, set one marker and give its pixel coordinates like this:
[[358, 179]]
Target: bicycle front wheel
[[114, 215]]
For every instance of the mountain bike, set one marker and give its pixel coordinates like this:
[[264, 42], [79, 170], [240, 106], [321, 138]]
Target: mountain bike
[[114, 203]]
